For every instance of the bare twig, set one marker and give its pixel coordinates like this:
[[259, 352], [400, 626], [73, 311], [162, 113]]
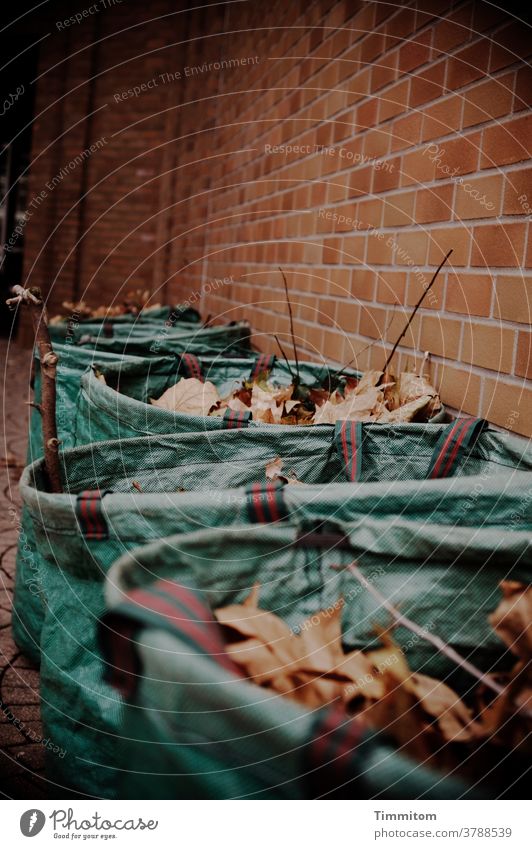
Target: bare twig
[[32, 298], [285, 358], [414, 311], [437, 642], [35, 406], [291, 326]]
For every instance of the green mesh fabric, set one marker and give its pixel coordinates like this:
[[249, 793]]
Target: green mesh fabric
[[152, 315], [27, 604], [460, 566], [159, 339], [105, 413], [73, 361], [82, 711]]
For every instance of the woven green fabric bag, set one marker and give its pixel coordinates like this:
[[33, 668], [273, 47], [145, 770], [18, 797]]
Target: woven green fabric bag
[[193, 727], [121, 408], [80, 533], [27, 604], [72, 328], [73, 361], [190, 726], [160, 339]]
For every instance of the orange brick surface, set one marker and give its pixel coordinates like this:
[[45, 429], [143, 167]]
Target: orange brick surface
[[409, 128]]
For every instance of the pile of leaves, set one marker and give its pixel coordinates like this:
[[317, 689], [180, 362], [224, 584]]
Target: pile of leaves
[[133, 304], [422, 714], [375, 397]]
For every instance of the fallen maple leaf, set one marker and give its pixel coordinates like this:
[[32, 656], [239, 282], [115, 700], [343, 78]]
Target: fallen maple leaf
[[189, 395], [512, 620]]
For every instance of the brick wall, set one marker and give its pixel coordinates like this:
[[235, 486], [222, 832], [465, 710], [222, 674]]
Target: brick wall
[[353, 144]]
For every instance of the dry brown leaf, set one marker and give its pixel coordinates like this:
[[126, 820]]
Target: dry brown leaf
[[438, 700], [512, 620], [274, 473], [356, 407], [408, 412], [189, 395]]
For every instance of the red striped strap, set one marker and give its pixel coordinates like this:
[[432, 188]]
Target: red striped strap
[[166, 605], [89, 514], [330, 756], [265, 502], [453, 446], [236, 418], [263, 366], [348, 439], [191, 366], [108, 329]]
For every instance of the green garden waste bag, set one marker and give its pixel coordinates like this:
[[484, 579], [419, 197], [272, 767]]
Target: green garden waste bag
[[70, 329], [192, 727], [73, 361], [121, 407], [102, 514], [161, 339], [27, 613]]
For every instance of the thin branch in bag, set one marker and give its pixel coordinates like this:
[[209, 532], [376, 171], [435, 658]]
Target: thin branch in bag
[[438, 643], [285, 358], [291, 326], [414, 311], [32, 298]]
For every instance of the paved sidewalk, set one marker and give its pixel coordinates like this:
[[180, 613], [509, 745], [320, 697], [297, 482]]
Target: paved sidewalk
[[21, 759]]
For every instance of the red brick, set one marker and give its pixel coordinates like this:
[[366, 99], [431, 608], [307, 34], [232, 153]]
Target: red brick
[[478, 197], [406, 131], [506, 143], [399, 210], [372, 322], [386, 175], [470, 63], [523, 357], [384, 71], [442, 118], [507, 405], [469, 294], [459, 388], [391, 287], [453, 30], [417, 168], [488, 345], [518, 192], [411, 248], [489, 99], [513, 298], [456, 156], [393, 101], [443, 239], [498, 244], [440, 336], [510, 43], [523, 89], [379, 249], [415, 52], [427, 84], [434, 204], [363, 283]]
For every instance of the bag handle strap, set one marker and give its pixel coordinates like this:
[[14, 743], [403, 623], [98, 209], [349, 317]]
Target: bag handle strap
[[265, 502], [348, 439], [453, 446], [166, 605], [108, 329], [191, 366], [89, 514], [262, 366], [236, 419]]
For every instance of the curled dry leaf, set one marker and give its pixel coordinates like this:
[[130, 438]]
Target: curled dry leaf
[[189, 395], [274, 472], [512, 620]]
